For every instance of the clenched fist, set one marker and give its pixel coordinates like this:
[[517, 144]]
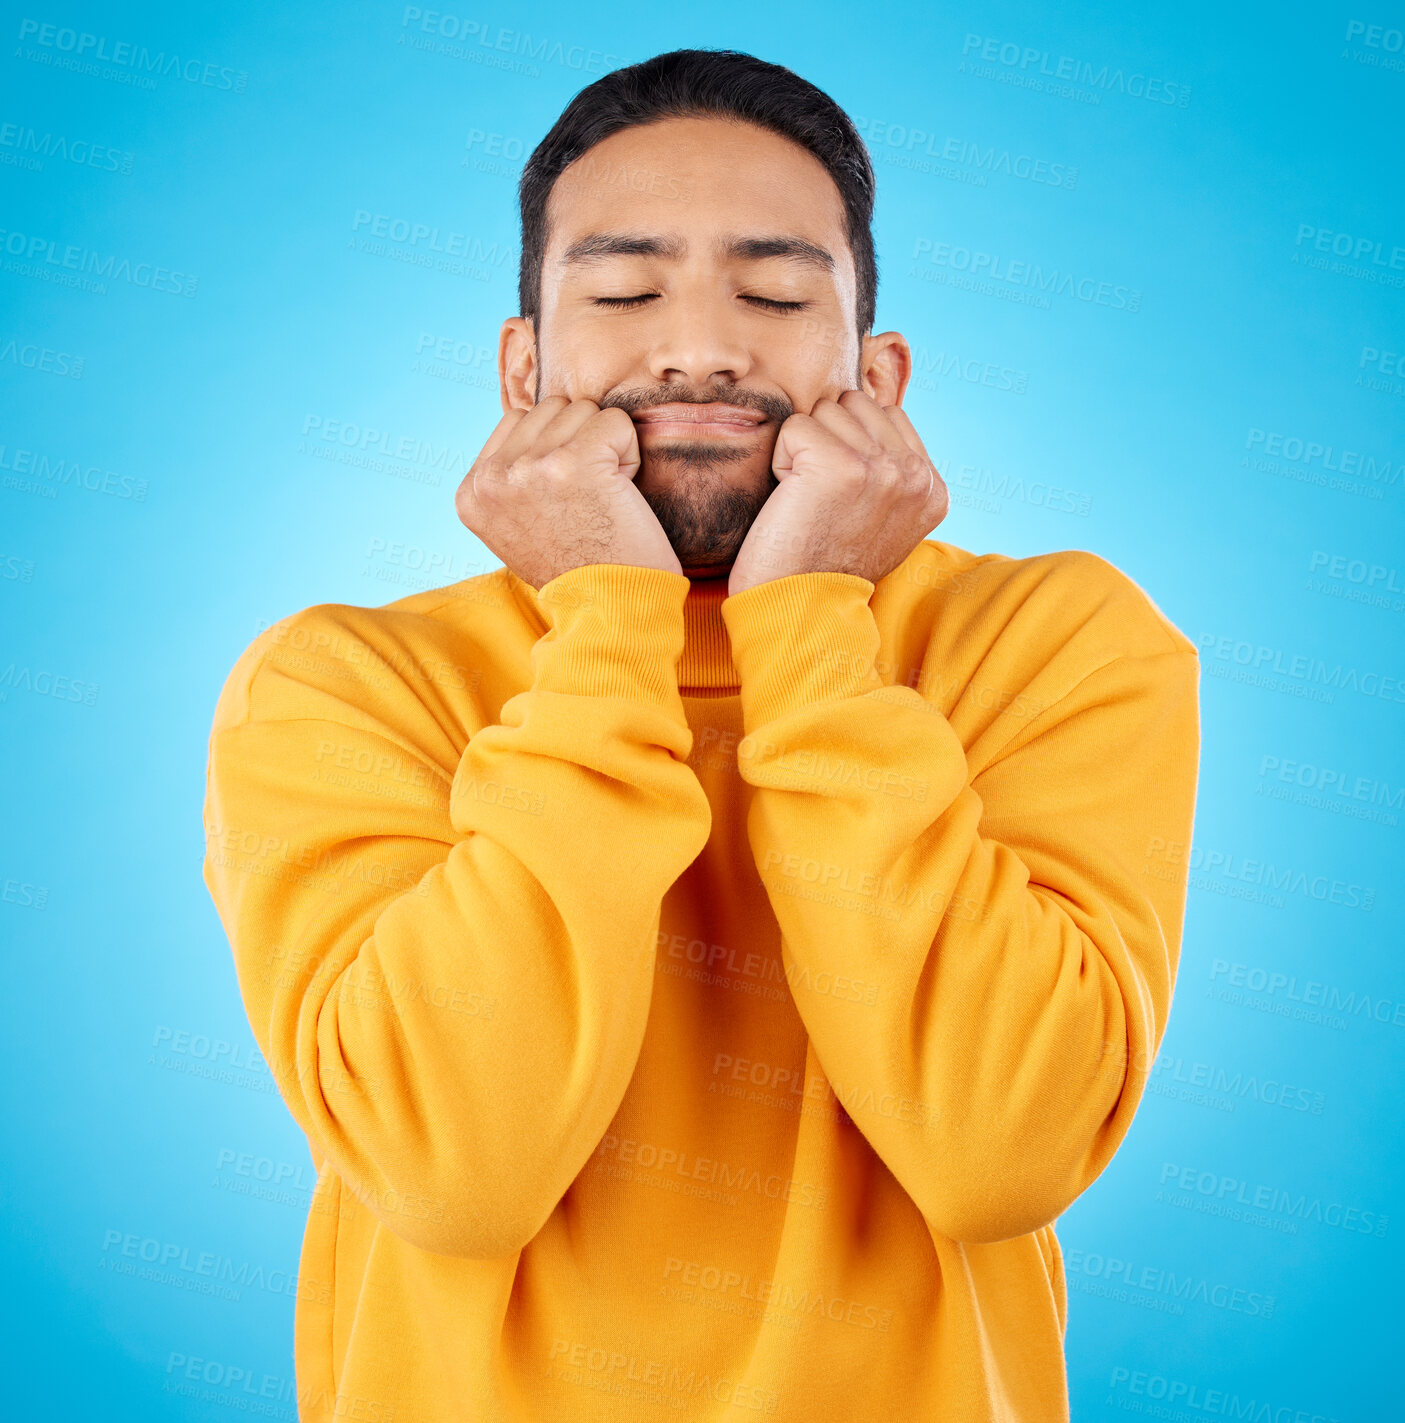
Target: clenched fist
[[553, 489], [856, 493]]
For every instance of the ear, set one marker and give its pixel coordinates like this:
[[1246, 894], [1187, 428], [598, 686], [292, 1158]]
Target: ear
[[517, 364], [885, 367]]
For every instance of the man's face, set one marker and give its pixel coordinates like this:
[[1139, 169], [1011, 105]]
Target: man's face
[[658, 297]]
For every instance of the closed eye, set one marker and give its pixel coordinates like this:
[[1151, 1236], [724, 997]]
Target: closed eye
[[620, 303]]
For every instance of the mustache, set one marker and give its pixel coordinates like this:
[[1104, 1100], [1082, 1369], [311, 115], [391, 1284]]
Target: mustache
[[773, 407]]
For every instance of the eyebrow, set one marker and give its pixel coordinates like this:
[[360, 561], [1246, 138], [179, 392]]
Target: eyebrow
[[596, 246]]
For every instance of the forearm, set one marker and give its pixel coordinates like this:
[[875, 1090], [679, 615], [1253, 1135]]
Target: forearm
[[1018, 963], [467, 1040]]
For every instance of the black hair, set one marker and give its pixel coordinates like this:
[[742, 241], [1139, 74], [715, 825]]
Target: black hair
[[689, 83]]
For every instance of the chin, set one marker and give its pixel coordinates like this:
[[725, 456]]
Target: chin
[[675, 474], [707, 518]]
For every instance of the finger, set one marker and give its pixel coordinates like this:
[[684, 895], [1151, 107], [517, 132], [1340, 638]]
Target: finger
[[846, 425], [805, 437], [907, 430], [877, 437], [519, 437], [612, 427], [937, 505], [562, 425], [874, 418], [508, 440], [466, 504], [898, 439], [502, 431], [882, 441], [937, 494]]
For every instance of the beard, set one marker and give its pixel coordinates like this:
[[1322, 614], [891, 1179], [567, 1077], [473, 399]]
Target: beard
[[705, 517]]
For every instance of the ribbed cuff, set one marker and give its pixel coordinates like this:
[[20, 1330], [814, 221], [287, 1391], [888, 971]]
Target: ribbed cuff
[[800, 640], [614, 630]]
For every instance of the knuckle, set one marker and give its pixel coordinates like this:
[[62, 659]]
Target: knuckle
[[611, 415], [554, 463], [489, 480], [468, 511]]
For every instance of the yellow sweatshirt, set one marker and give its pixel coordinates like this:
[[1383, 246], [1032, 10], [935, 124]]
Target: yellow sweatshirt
[[703, 1007]]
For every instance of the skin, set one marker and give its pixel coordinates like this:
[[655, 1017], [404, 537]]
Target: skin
[[833, 477]]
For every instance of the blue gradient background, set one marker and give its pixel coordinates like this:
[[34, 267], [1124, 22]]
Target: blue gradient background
[[252, 185]]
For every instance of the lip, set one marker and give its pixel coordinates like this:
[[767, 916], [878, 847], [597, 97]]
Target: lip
[[710, 419]]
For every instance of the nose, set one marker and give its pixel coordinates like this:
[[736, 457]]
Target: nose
[[697, 337]]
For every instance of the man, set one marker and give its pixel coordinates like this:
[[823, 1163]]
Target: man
[[708, 954]]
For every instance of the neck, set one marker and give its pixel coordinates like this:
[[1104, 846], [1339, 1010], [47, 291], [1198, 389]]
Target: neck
[[706, 664], [704, 573]]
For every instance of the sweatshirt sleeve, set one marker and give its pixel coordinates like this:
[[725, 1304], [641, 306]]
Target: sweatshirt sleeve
[[446, 952], [1020, 924]]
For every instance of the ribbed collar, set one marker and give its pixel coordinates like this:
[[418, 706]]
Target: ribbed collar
[[706, 664]]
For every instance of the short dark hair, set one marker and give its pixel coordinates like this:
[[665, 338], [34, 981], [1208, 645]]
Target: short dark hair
[[687, 83]]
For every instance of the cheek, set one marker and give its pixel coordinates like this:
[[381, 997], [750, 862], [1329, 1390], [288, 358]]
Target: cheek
[[585, 363], [822, 355]]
